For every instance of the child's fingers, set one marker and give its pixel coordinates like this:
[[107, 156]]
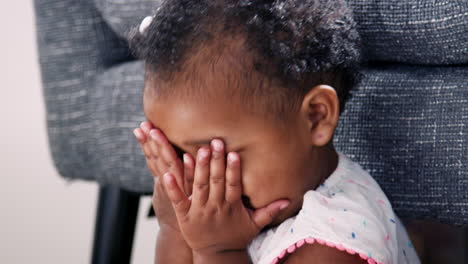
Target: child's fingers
[[143, 140], [201, 178], [151, 158], [140, 135], [146, 126], [217, 172], [189, 166], [150, 146], [165, 150], [233, 178], [152, 165], [167, 156], [267, 214], [179, 200]]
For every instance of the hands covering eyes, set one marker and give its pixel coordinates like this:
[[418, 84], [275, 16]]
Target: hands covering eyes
[[205, 194]]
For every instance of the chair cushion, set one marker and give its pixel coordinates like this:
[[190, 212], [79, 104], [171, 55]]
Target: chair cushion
[[408, 126]]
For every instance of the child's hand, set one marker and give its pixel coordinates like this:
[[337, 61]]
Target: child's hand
[[214, 220], [161, 158]]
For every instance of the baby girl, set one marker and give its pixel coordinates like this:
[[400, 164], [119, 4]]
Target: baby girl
[[242, 98]]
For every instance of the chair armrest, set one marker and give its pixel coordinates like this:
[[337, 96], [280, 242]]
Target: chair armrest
[[75, 45]]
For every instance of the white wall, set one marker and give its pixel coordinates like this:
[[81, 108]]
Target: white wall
[[42, 218]]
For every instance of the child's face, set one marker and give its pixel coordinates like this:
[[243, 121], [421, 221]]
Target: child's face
[[277, 162]]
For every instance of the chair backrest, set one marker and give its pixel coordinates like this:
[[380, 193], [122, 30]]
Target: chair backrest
[[407, 121]]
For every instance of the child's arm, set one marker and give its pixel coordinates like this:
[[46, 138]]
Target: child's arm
[[172, 248], [169, 236], [214, 222], [321, 254], [158, 156]]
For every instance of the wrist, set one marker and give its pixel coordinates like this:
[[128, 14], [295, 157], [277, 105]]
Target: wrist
[[169, 229], [167, 240], [168, 232]]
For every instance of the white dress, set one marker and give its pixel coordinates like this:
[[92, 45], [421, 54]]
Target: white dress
[[349, 212]]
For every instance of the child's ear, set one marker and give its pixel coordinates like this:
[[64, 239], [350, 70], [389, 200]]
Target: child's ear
[[321, 108]]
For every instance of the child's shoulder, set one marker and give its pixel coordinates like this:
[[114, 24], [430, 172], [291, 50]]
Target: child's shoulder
[[347, 217]]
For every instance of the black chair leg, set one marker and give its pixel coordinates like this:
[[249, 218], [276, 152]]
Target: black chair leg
[[116, 215]]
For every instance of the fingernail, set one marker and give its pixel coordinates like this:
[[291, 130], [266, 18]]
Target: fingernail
[[232, 157], [136, 133], [284, 205], [202, 154], [143, 127], [153, 134], [217, 144]]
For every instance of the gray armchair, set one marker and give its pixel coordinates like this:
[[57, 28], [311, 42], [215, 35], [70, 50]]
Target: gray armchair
[[407, 123]]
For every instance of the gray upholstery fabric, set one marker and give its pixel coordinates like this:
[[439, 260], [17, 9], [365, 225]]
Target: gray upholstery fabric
[[75, 47], [408, 126], [432, 32], [405, 124], [116, 109], [80, 56], [121, 15]]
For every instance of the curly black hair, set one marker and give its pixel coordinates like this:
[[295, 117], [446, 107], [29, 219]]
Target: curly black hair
[[268, 52]]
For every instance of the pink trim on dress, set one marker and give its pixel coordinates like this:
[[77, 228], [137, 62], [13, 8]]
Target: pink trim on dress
[[311, 240]]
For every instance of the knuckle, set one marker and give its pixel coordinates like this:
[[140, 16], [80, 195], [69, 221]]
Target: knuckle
[[171, 164], [212, 209], [200, 186], [153, 149], [233, 184], [189, 180], [217, 180], [179, 203]]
